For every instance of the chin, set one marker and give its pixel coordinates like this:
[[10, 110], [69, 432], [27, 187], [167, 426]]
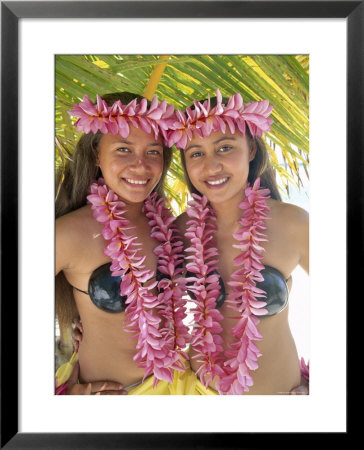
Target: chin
[[134, 198], [225, 197]]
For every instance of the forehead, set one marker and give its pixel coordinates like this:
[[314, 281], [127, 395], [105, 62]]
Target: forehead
[[215, 137], [136, 136]]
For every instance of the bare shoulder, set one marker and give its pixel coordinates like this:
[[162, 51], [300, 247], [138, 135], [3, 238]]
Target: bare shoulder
[[74, 231], [75, 223], [291, 223], [288, 214]]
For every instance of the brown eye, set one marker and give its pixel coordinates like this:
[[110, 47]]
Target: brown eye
[[225, 148], [123, 150], [154, 152]]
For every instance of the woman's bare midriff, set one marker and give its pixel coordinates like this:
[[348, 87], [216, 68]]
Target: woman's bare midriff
[[106, 351], [278, 370]]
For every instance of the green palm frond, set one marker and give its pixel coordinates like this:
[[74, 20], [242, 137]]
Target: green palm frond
[[281, 79]]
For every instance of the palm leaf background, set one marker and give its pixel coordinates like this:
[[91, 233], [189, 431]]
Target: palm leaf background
[[282, 79]]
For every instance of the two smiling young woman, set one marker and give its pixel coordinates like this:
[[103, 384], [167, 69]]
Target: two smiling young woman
[[124, 263]]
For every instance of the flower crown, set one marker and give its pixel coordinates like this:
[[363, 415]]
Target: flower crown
[[203, 120], [176, 127], [116, 119]]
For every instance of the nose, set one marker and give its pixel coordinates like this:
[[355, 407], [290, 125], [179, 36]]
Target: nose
[[213, 165], [140, 163]]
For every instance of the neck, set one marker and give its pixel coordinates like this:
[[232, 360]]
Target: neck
[[133, 211], [228, 213]]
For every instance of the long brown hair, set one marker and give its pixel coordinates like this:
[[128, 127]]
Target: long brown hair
[[259, 167], [78, 175]]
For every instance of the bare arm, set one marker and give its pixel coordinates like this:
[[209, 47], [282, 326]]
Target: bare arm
[[71, 230], [303, 240], [303, 246], [62, 245]]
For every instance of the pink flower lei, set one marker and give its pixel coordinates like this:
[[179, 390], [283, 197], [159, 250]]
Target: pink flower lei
[[233, 366], [160, 338], [203, 120], [116, 119]]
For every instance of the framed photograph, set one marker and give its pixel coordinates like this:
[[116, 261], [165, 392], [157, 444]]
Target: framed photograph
[[331, 32]]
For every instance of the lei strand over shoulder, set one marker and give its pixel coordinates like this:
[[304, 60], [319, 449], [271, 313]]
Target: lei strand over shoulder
[[158, 338], [206, 340], [234, 373], [244, 353]]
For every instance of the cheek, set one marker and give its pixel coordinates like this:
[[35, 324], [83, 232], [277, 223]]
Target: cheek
[[109, 166], [158, 165], [193, 169], [240, 161], [112, 167]]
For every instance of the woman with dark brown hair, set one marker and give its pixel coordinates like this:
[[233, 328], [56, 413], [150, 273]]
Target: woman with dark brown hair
[[242, 244], [118, 252]]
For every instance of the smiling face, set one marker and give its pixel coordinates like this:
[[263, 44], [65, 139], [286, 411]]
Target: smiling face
[[132, 166], [218, 165]]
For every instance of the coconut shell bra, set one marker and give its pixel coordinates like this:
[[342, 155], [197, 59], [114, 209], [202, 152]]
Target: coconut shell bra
[[274, 284], [104, 290]]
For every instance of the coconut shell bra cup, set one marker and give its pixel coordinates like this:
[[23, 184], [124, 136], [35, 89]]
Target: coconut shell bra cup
[[274, 284]]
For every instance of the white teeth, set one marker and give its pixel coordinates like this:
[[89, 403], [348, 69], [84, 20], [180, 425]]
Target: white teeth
[[136, 181], [217, 182]]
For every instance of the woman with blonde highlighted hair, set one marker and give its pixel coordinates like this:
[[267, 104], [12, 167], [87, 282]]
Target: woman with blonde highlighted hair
[[242, 244]]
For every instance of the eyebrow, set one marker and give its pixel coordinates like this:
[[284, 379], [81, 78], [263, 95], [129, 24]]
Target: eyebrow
[[224, 138], [156, 144], [123, 141], [192, 146]]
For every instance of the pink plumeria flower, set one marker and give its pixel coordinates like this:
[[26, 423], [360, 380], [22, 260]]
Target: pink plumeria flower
[[91, 117]]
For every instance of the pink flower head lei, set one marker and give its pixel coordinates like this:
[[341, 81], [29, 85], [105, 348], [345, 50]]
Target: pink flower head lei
[[203, 120], [160, 338], [232, 367], [116, 119]]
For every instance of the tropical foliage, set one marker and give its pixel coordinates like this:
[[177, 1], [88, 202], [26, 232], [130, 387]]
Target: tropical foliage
[[282, 79]]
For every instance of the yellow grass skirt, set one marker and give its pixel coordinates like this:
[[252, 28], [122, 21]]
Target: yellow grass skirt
[[184, 383]]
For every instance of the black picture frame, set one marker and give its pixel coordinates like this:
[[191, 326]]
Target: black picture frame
[[11, 12]]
